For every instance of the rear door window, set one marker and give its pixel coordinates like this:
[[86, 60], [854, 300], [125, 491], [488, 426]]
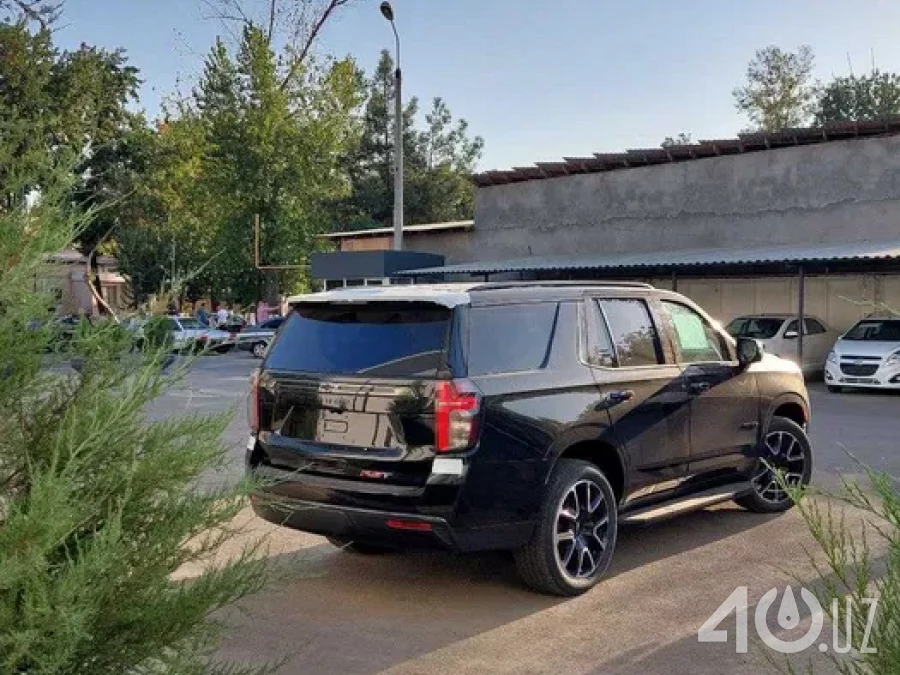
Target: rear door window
[[813, 327], [374, 339], [510, 338], [633, 334]]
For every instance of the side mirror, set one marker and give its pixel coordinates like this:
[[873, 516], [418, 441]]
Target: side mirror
[[791, 335], [748, 351]]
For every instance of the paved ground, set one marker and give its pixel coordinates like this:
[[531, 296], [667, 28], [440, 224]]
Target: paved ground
[[435, 613]]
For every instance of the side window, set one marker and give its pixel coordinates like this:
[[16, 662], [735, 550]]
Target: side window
[[634, 336], [173, 325], [696, 341], [510, 338], [813, 327], [791, 327], [600, 351]]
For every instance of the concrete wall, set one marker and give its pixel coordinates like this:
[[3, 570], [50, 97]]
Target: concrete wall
[[830, 192]]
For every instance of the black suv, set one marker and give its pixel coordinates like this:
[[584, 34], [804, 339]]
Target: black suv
[[533, 417]]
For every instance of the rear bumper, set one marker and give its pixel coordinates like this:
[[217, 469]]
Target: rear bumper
[[388, 528], [378, 514], [355, 524]]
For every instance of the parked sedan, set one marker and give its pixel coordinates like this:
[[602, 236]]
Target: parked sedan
[[867, 355], [256, 339], [189, 334], [778, 334]]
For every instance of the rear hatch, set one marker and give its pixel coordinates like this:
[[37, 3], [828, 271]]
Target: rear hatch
[[347, 391]]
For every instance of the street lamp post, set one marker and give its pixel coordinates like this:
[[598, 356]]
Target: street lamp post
[[388, 13]]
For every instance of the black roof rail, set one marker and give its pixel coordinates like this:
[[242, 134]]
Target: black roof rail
[[497, 285]]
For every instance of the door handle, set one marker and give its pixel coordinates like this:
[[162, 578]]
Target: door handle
[[698, 387], [613, 397]]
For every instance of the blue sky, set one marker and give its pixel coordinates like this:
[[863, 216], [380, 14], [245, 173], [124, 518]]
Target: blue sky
[[540, 79]]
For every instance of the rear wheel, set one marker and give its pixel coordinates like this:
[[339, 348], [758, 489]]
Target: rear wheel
[[574, 540], [359, 547], [259, 349], [785, 449]]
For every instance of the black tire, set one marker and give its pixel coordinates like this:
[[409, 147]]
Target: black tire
[[259, 349], [540, 562], [359, 547], [834, 389], [756, 500]]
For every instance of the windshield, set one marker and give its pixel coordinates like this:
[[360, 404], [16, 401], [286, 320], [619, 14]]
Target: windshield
[[759, 328], [379, 339], [189, 324], [875, 330]]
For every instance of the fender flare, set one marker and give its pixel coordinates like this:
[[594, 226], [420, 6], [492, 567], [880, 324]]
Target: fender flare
[[586, 433], [780, 400]]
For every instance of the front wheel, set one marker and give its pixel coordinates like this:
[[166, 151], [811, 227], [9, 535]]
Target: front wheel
[[574, 540], [785, 450]]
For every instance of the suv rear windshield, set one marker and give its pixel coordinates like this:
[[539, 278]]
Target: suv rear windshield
[[876, 330], [754, 327], [378, 340]]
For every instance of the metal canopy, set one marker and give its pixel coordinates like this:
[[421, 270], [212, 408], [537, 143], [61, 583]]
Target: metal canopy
[[680, 260]]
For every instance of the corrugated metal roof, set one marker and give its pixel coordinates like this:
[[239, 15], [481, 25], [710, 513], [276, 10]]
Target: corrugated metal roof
[[750, 142], [427, 227], [678, 259]]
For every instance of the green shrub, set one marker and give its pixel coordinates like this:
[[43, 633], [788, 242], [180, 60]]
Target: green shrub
[[99, 506], [859, 564]]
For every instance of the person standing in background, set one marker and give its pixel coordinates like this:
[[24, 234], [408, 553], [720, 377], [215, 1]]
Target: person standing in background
[[221, 316], [262, 312], [202, 315]]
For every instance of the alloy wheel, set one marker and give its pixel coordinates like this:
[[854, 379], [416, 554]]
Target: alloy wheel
[[783, 453], [582, 529]]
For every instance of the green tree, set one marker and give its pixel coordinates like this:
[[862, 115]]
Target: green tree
[[779, 92], [99, 507], [437, 161], [867, 97], [680, 139], [44, 13], [74, 105], [27, 62]]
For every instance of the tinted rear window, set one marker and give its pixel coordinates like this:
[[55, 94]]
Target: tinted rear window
[[377, 340], [511, 338]]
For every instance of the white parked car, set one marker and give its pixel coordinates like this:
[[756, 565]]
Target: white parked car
[[778, 334], [867, 355]]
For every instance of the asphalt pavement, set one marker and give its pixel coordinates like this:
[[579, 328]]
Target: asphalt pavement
[[335, 612]]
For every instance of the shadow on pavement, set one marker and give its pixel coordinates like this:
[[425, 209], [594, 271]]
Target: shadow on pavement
[[338, 612]]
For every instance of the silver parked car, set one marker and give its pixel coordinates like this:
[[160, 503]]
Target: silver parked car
[[256, 339], [867, 356], [779, 333], [187, 334]]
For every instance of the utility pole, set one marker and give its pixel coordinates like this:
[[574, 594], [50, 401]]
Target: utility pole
[[388, 13]]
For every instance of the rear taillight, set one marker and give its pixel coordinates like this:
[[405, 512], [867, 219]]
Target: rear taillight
[[456, 407], [253, 402]]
